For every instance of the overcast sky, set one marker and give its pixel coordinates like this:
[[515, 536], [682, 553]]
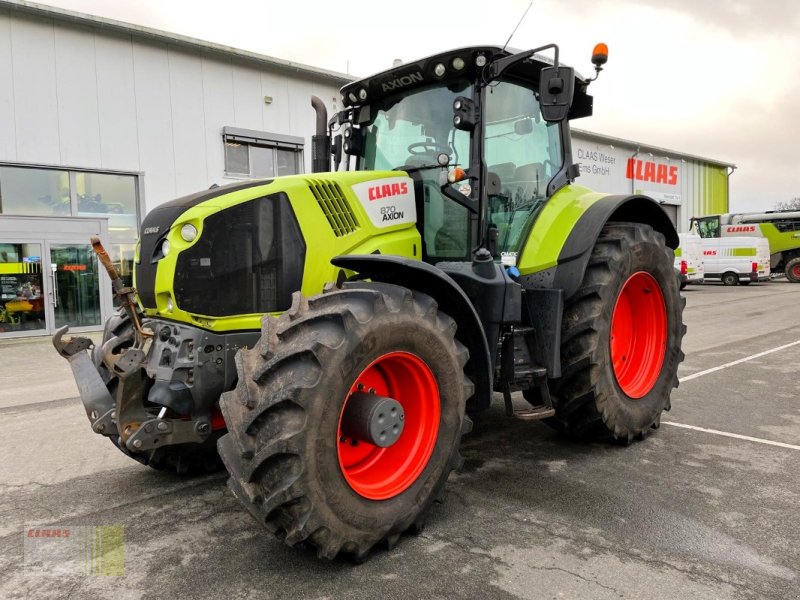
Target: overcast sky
[[715, 79]]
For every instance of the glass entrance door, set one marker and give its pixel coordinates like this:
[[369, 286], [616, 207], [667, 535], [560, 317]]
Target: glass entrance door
[[22, 289], [74, 296]]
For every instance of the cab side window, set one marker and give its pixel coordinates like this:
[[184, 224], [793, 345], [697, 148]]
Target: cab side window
[[523, 152]]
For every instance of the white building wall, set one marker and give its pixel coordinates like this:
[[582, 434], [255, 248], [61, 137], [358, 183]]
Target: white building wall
[[693, 192], [83, 97]]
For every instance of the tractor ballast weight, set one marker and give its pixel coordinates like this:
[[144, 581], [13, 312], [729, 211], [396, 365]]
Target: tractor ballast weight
[[330, 332]]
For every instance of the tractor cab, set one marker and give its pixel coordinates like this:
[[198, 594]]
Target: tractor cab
[[484, 141]]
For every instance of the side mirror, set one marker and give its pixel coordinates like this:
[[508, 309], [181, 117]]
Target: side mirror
[[556, 87]]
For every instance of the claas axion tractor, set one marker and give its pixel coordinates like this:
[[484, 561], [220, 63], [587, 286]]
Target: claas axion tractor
[[327, 335]]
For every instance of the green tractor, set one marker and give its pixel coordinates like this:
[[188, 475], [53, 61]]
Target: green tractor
[[331, 332]]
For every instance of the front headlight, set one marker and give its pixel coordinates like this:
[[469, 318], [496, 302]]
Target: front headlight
[[188, 232], [165, 248]]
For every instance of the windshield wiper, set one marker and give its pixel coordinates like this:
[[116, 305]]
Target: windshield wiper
[[411, 168]]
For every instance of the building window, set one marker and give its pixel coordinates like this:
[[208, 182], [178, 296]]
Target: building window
[[34, 192], [251, 153], [110, 195], [31, 191]]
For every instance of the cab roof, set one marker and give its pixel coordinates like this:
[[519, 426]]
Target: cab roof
[[420, 73]]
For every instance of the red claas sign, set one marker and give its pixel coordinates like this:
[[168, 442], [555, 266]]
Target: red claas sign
[[73, 268], [645, 170]]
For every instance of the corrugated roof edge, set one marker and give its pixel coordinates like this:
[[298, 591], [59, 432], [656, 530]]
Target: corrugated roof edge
[[60, 14], [607, 139]]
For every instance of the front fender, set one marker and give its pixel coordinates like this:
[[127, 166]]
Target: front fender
[[434, 282]]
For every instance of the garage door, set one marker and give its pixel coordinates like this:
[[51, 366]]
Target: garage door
[[672, 212]]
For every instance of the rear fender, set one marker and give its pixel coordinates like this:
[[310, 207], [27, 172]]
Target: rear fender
[[567, 274]]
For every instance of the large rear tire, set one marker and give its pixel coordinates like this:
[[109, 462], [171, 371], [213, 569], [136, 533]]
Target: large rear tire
[[621, 339], [291, 462], [184, 459]]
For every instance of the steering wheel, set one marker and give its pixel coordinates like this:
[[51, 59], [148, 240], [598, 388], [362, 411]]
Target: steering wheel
[[422, 148]]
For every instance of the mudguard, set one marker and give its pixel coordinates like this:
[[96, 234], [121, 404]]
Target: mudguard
[[577, 248], [426, 278]]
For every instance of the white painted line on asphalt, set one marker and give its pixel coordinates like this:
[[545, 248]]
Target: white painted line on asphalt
[[733, 435], [736, 362]]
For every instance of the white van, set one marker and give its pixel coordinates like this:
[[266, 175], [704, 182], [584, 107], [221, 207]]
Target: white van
[[689, 259], [735, 260]]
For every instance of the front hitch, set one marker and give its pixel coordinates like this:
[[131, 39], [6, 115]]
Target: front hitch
[[97, 401], [138, 426]]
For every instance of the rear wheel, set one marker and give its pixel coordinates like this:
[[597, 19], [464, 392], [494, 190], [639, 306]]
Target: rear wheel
[[730, 278], [347, 417], [793, 270], [184, 459], [621, 338]]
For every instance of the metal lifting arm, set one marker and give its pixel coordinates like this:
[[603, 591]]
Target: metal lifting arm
[[127, 295]]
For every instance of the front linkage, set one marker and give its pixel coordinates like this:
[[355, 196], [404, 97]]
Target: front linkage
[[112, 388]]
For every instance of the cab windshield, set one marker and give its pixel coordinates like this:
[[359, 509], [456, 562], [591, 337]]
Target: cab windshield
[[410, 131], [707, 227], [413, 129]]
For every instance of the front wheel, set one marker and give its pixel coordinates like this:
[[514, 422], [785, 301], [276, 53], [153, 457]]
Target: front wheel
[[621, 338], [347, 417]]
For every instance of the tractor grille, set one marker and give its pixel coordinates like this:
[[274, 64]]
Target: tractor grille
[[332, 202]]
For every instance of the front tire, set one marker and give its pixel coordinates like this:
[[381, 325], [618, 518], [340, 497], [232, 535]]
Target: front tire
[[291, 462], [621, 338]]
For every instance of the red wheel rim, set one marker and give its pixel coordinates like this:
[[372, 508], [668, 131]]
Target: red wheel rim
[[796, 271], [217, 420], [382, 473], [638, 334]]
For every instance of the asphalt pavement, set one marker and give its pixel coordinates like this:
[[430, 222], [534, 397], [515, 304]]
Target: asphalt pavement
[[705, 507]]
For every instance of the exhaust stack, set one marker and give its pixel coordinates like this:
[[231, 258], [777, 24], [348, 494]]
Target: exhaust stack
[[320, 141]]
